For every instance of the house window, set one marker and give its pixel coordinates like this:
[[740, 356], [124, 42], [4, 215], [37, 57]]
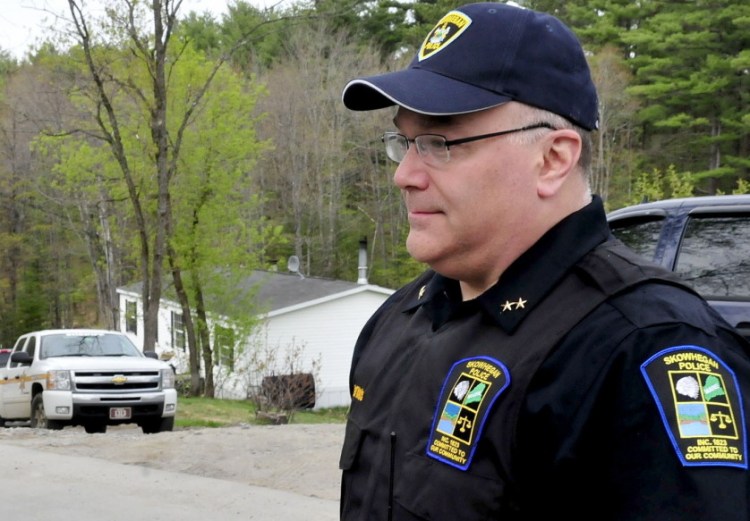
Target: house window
[[131, 318], [178, 331], [224, 346]]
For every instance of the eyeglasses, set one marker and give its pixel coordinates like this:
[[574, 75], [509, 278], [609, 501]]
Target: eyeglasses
[[434, 148]]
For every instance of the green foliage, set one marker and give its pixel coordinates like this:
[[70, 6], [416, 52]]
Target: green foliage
[[380, 26], [685, 60], [689, 65], [8, 65], [249, 37], [743, 187], [202, 31], [658, 185], [218, 151], [33, 302]]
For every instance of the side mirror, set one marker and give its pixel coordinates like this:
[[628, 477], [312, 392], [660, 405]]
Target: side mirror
[[151, 354], [21, 357]]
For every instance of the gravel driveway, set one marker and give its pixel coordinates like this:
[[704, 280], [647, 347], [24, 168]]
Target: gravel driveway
[[296, 458]]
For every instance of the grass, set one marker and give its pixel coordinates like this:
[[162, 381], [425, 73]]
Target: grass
[[211, 412]]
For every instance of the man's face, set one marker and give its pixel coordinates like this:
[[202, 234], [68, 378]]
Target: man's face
[[473, 212]]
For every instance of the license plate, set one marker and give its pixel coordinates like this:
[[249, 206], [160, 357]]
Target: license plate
[[120, 413]]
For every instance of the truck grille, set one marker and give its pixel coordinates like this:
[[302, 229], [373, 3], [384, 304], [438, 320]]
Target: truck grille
[[116, 381]]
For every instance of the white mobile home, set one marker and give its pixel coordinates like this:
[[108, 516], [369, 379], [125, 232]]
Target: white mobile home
[[321, 318]]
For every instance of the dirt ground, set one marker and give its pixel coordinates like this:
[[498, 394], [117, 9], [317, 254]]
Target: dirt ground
[[297, 458]]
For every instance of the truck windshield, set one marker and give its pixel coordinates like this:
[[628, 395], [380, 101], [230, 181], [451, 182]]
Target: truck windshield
[[87, 345]]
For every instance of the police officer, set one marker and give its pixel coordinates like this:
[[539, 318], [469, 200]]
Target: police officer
[[538, 369]]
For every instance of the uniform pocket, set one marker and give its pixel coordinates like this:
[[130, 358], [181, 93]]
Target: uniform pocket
[[429, 489]]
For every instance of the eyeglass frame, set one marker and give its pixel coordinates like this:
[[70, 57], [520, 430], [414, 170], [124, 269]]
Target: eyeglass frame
[[452, 142]]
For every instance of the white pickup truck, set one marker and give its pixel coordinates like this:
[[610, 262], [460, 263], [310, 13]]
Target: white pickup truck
[[87, 377]]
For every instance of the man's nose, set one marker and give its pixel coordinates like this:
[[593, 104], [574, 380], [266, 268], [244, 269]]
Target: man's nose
[[411, 172]]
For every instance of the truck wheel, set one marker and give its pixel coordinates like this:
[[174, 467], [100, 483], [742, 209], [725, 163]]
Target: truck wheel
[[158, 425], [39, 417], [94, 428]]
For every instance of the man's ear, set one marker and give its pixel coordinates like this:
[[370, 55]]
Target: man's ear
[[561, 150]]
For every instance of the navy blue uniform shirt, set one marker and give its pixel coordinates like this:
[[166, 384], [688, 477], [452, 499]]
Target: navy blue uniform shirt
[[637, 412]]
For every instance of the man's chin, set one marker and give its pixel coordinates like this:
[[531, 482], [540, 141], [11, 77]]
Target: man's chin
[[422, 250]]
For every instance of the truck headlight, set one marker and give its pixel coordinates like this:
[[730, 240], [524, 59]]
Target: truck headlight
[[167, 378], [58, 380]]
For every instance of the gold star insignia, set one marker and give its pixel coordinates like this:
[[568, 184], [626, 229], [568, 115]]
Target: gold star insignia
[[421, 291], [510, 306]]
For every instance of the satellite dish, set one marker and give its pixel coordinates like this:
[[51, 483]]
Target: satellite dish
[[293, 265]]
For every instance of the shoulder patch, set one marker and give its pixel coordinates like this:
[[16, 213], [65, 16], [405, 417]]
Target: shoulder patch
[[699, 402], [468, 393]]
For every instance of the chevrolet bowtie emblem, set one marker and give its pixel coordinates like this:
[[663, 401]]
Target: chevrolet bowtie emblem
[[119, 379]]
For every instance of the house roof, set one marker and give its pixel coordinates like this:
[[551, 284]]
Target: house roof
[[277, 291], [281, 290]]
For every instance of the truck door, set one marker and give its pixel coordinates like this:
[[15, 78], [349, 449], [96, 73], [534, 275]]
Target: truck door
[[16, 383]]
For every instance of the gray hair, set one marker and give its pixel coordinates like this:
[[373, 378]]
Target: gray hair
[[530, 115]]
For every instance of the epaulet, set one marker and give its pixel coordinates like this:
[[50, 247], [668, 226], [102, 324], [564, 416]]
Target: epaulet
[[613, 267]]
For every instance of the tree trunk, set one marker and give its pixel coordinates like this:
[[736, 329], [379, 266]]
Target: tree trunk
[[205, 337], [187, 320]]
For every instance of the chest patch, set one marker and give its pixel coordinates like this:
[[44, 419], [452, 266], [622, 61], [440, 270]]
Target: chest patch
[[699, 402], [467, 395]]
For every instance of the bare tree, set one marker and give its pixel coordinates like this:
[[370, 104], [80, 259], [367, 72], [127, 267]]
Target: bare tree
[[325, 160], [152, 230], [38, 224], [141, 73]]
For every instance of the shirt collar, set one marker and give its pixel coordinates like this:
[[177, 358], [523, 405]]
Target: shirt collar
[[525, 283]]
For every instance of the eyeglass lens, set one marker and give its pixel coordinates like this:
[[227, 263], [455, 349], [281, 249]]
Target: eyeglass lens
[[396, 146], [428, 146]]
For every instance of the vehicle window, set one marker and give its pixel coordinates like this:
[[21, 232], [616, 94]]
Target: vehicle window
[[19, 343], [715, 256], [640, 235], [87, 345], [23, 345], [31, 346]]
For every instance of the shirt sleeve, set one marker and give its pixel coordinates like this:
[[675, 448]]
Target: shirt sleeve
[[630, 421]]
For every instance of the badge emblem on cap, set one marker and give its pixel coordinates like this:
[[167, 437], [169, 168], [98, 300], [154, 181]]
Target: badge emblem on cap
[[447, 30]]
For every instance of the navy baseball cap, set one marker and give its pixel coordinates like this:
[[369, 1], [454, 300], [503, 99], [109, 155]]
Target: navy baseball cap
[[483, 55]]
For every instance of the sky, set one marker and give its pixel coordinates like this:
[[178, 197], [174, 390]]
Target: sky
[[23, 23]]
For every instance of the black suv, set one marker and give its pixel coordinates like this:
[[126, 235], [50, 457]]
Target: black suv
[[706, 240]]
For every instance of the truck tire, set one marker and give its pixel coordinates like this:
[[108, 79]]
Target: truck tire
[[158, 425], [39, 417]]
